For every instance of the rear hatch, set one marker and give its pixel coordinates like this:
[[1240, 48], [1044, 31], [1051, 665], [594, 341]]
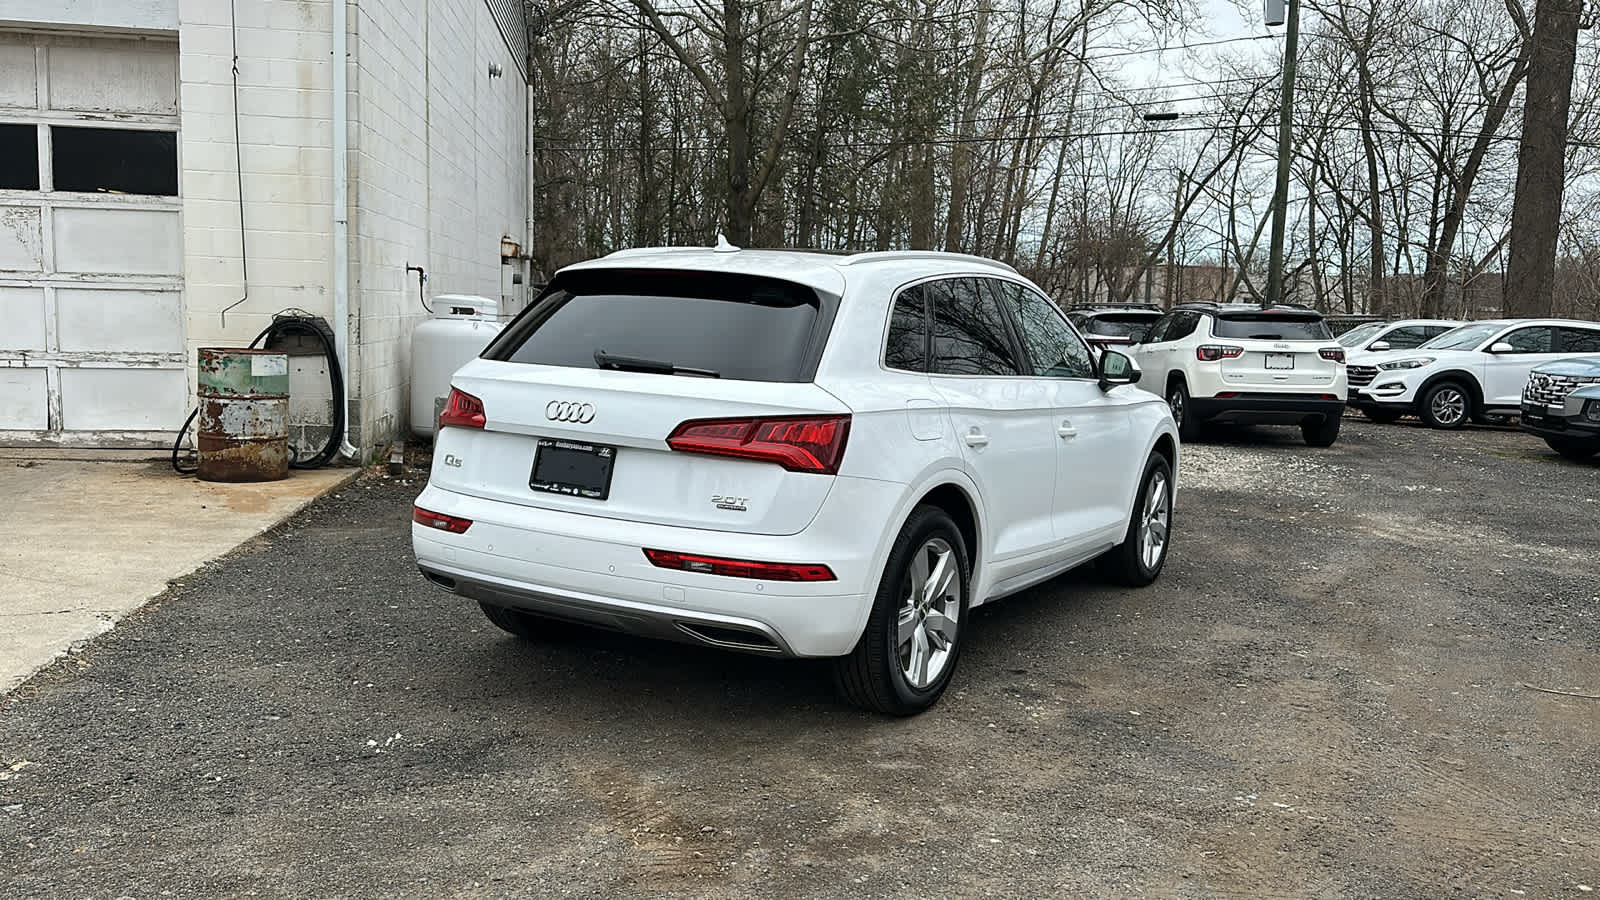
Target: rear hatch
[[579, 397], [1277, 348]]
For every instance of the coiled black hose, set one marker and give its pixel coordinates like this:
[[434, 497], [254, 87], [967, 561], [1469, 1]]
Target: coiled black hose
[[286, 326]]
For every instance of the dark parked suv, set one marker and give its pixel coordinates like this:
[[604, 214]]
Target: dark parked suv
[[1562, 405]]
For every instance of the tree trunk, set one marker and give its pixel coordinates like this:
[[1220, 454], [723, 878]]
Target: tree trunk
[[1541, 161]]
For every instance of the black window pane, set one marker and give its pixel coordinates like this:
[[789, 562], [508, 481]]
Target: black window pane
[[114, 161], [1158, 332], [1580, 340], [19, 157], [1054, 350], [907, 346], [969, 333], [739, 326], [1531, 340], [1406, 338], [1271, 327]]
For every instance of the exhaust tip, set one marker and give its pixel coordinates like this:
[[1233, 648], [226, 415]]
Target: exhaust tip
[[443, 581], [723, 636]]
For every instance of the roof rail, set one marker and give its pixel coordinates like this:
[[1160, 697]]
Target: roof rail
[[893, 255]]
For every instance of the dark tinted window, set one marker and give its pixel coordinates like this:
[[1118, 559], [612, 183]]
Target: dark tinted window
[[1053, 349], [1579, 340], [1268, 326], [1183, 325], [907, 346], [1128, 325], [969, 331], [1540, 339], [1158, 331], [114, 160], [1406, 338], [19, 157], [739, 326]]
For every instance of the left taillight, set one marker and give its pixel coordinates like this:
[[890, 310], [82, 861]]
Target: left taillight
[[462, 410], [1332, 354], [440, 521], [798, 443]]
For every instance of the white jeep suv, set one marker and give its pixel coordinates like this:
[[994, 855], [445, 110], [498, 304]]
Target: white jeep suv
[[1466, 374], [1246, 364], [792, 453]]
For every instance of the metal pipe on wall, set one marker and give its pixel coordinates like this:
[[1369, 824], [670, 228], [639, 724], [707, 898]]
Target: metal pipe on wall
[[341, 215]]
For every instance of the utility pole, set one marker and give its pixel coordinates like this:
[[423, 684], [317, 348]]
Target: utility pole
[[1280, 197], [1541, 160], [1169, 291]]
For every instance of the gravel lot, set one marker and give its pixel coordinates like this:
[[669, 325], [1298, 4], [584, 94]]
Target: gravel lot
[[1328, 693]]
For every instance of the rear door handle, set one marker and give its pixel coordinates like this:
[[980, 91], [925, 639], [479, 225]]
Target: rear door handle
[[976, 438], [1066, 430]]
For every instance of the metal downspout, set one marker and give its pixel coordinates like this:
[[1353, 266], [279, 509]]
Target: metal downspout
[[341, 215]]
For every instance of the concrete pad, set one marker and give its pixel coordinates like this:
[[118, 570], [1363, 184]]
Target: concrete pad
[[86, 538]]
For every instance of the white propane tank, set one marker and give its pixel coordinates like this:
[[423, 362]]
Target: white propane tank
[[462, 325]]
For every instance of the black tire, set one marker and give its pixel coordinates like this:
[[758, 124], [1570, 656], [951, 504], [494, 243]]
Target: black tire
[[1178, 401], [512, 621], [873, 675], [1576, 451], [1381, 416], [1321, 432], [1128, 563], [1447, 405]]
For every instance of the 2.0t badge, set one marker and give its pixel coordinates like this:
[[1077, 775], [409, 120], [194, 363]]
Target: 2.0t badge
[[564, 411]]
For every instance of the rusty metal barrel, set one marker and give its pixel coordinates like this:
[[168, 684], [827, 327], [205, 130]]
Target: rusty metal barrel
[[244, 415]]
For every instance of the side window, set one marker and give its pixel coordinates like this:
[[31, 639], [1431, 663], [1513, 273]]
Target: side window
[[1433, 331], [1053, 348], [1406, 338], [1579, 340], [969, 331], [1183, 325], [1158, 331], [1538, 339], [907, 345]]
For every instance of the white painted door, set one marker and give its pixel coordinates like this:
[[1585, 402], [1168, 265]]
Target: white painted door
[[91, 309], [1002, 418]]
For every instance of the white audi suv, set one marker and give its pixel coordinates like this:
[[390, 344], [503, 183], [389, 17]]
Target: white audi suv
[[792, 453]]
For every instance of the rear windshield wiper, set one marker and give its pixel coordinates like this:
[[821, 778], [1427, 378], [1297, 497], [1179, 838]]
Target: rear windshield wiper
[[635, 364]]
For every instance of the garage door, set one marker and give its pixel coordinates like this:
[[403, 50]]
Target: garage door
[[91, 248]]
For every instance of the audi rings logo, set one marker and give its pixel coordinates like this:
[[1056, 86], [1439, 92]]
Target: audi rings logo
[[563, 411]]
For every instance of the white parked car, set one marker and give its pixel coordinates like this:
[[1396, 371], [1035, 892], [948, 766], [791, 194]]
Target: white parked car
[[1467, 374], [1246, 364], [1403, 334], [792, 453]]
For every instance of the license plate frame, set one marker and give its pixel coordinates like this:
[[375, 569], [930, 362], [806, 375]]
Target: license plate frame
[[573, 468], [1278, 362]]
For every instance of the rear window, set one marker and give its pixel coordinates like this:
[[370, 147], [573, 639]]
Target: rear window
[[1128, 325], [740, 327], [1266, 326]]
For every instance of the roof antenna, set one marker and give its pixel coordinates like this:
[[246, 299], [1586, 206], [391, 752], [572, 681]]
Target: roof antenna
[[723, 246]]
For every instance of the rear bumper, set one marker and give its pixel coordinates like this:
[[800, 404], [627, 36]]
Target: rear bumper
[[1259, 409], [593, 570]]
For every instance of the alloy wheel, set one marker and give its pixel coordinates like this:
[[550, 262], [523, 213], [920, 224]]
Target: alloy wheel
[[1175, 401], [1449, 406], [1157, 521], [929, 609]]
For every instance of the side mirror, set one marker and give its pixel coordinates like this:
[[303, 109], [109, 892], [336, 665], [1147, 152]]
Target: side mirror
[[1378, 346], [1501, 347], [1117, 368]]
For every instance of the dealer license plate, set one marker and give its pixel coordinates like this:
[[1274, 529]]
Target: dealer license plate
[[572, 468]]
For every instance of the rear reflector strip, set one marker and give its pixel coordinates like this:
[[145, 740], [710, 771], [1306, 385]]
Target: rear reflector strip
[[442, 522], [739, 568]]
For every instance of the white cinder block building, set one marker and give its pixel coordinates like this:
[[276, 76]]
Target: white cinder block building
[[164, 161]]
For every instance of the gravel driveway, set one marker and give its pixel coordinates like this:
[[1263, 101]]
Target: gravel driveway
[[1331, 692]]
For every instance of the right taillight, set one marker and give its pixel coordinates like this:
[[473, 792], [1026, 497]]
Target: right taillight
[[462, 410], [798, 443], [1214, 352]]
